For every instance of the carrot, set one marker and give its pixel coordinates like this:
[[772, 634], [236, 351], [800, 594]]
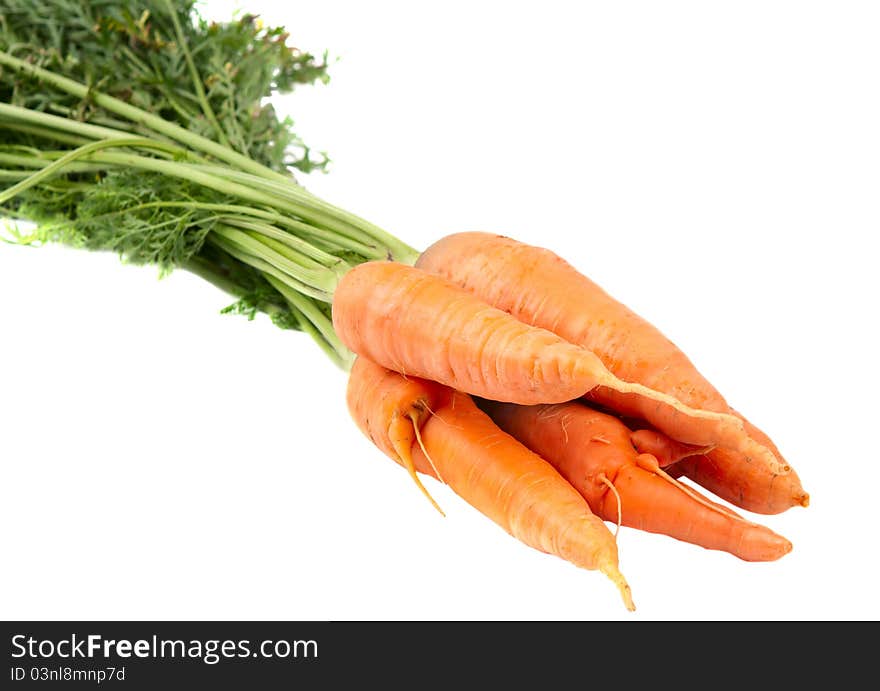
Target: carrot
[[540, 288], [419, 324], [594, 452], [489, 469]]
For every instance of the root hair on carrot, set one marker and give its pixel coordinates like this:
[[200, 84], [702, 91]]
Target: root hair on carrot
[[425, 451], [406, 460], [604, 480], [650, 463]]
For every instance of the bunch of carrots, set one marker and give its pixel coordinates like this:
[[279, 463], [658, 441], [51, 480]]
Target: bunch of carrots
[[493, 366], [500, 370]]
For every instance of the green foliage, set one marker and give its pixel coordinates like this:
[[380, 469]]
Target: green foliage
[[141, 129], [124, 213], [130, 50]]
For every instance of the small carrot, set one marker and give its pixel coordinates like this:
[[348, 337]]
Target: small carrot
[[594, 452], [540, 288], [419, 324], [489, 469]]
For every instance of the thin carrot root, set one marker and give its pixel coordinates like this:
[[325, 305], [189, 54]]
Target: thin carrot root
[[622, 386], [609, 568], [403, 448], [613, 572], [605, 481], [416, 428], [390, 410]]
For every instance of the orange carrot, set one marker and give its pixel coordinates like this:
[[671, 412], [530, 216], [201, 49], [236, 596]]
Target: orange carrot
[[489, 469], [593, 451], [540, 288], [416, 323]]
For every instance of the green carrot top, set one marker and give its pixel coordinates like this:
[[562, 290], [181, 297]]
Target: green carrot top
[[142, 129]]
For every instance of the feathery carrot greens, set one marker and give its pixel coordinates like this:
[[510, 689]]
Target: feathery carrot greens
[[142, 129]]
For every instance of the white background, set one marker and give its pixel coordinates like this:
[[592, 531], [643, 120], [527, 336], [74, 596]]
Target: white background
[[712, 165]]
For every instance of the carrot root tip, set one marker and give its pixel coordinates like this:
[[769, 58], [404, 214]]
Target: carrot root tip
[[610, 569]]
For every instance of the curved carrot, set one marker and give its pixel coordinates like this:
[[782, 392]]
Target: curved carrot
[[592, 449], [419, 324], [489, 469], [540, 288]]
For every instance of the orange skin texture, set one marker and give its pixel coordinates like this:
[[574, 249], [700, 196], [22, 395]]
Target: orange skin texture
[[386, 406], [420, 324], [540, 288], [583, 443], [492, 471], [415, 323], [723, 473]]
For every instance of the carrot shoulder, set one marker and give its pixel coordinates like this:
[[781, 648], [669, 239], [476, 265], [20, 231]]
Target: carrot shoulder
[[594, 452], [540, 288], [489, 469]]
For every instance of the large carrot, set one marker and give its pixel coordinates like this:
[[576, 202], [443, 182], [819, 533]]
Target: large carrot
[[489, 469], [594, 452], [540, 288], [419, 324]]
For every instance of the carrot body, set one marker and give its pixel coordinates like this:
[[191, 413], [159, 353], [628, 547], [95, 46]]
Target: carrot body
[[586, 445], [419, 324], [540, 288], [411, 322], [489, 469]]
